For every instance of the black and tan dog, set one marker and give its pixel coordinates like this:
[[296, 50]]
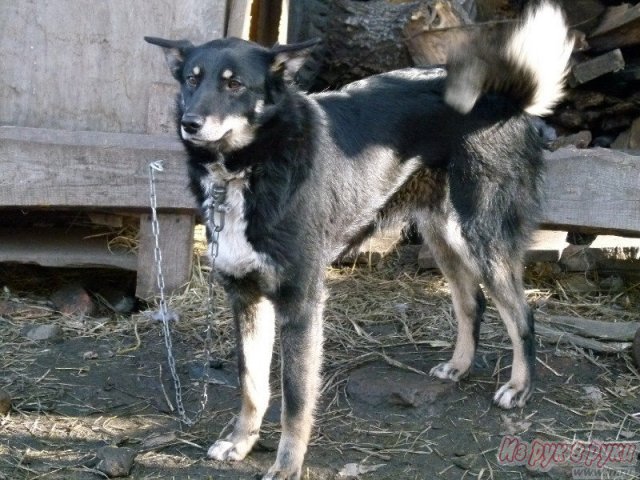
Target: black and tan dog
[[310, 176]]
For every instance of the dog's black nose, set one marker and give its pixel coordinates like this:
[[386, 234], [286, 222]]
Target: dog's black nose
[[192, 122]]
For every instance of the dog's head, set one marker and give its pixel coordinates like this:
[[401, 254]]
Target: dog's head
[[229, 87]]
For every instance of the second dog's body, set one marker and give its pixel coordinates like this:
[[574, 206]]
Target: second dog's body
[[309, 177]]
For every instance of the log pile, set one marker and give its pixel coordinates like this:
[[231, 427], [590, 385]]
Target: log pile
[[602, 107]]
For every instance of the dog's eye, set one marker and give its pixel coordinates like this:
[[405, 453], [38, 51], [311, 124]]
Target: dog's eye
[[192, 81], [234, 85]]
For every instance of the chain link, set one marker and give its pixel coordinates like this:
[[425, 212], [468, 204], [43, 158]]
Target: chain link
[[216, 207]]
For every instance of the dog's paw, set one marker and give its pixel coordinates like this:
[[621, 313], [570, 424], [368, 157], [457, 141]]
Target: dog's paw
[[288, 464], [229, 451], [509, 396], [448, 371], [279, 473]]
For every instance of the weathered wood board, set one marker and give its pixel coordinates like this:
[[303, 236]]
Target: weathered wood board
[[620, 27], [71, 247], [593, 68], [59, 168], [84, 170], [176, 245], [69, 77], [594, 189], [83, 65]]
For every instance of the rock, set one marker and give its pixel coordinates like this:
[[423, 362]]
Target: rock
[[39, 333], [73, 300], [629, 139], [471, 462], [117, 300], [115, 461], [581, 139], [354, 470], [5, 402], [377, 385]]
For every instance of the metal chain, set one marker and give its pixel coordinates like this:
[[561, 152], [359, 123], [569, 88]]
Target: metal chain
[[218, 196]]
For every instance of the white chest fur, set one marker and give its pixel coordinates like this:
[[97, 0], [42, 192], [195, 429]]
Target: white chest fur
[[236, 256]]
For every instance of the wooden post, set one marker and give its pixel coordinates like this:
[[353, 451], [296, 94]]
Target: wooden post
[[176, 245]]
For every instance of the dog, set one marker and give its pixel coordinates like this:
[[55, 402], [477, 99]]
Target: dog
[[309, 176]]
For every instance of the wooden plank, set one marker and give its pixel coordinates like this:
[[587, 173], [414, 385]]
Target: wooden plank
[[161, 110], [56, 247], [620, 27], [176, 244], [239, 21], [585, 327], [58, 168], [551, 335], [593, 68], [67, 69], [546, 246], [595, 189]]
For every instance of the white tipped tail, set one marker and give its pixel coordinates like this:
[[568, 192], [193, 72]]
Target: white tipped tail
[[541, 45], [527, 63]]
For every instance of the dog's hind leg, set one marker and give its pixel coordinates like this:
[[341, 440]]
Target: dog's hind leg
[[255, 329], [507, 291], [468, 303], [301, 340]]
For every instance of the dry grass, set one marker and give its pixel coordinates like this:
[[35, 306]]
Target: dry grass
[[373, 314]]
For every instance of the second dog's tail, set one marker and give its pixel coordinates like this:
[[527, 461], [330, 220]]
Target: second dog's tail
[[527, 63]]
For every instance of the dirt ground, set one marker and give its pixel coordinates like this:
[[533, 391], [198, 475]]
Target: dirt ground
[[105, 382]]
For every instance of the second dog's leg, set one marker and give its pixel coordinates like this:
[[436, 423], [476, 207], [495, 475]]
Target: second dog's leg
[[468, 304], [301, 337], [255, 324], [507, 290]]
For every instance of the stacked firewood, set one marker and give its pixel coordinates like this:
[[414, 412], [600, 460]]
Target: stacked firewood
[[602, 106], [603, 99]]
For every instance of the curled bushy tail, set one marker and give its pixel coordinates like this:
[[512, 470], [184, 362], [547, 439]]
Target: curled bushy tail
[[528, 63]]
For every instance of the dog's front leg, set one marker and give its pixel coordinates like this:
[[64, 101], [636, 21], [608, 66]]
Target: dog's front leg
[[301, 351], [255, 329]]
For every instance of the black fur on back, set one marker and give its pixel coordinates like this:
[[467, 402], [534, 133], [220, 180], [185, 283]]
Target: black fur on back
[[315, 162]]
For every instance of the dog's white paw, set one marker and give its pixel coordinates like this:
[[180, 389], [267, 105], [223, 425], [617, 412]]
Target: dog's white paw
[[509, 396], [227, 451], [448, 371]]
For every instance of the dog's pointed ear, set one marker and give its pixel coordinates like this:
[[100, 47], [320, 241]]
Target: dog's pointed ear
[[174, 52], [287, 59]]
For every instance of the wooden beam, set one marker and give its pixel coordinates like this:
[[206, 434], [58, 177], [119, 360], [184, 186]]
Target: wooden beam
[[593, 68], [239, 21], [594, 189], [57, 247], [620, 27], [59, 168], [176, 244]]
